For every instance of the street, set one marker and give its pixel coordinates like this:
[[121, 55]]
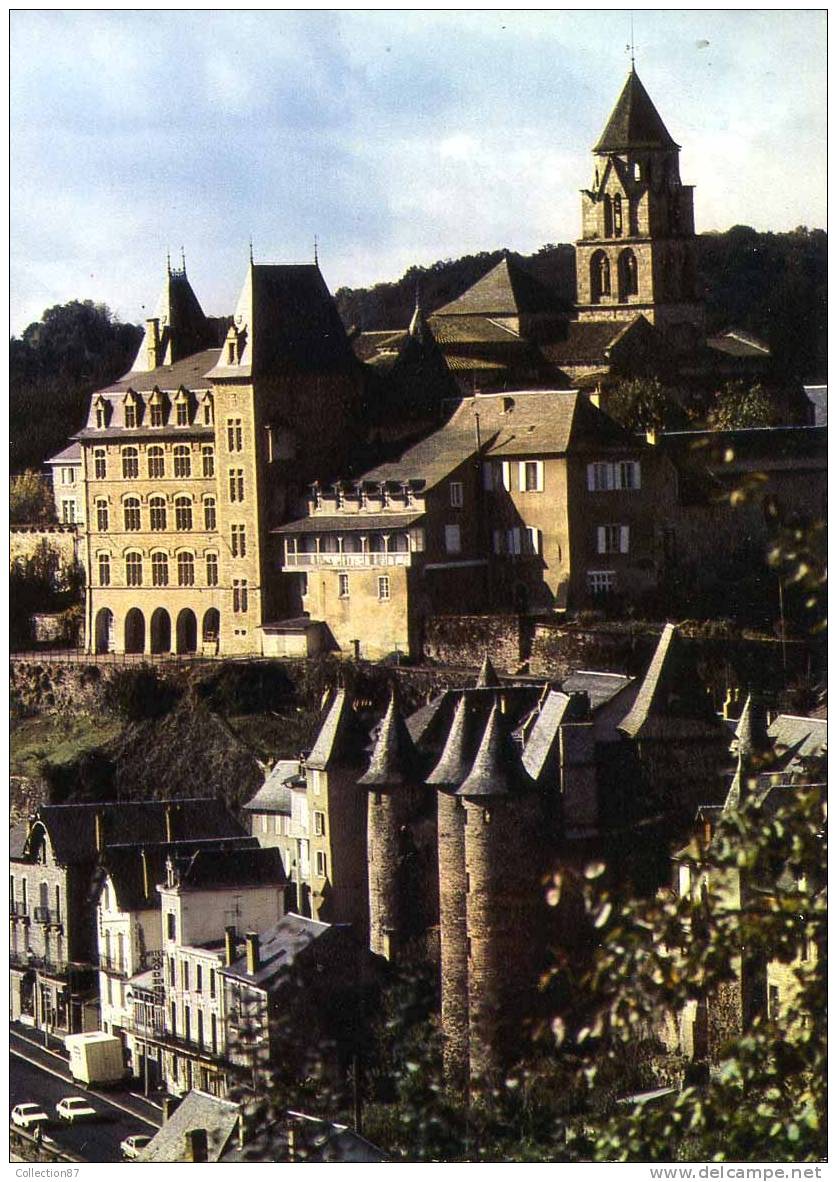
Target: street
[[35, 1077]]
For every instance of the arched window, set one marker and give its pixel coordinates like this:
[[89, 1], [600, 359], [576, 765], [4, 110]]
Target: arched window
[[185, 570], [628, 275], [617, 216], [104, 570], [133, 569], [102, 516], [182, 513], [159, 569], [182, 460], [599, 276], [130, 463], [209, 513], [212, 570], [100, 466], [207, 410], [131, 507], [157, 509], [156, 462]]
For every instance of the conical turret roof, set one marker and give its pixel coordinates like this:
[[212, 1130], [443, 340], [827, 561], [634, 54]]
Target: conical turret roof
[[394, 757], [455, 761], [496, 769], [634, 122], [751, 732], [487, 675]]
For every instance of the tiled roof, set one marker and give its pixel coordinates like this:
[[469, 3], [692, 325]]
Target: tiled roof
[[599, 687], [394, 759], [197, 1110], [432, 458], [798, 737], [587, 342], [72, 827], [279, 947], [189, 372], [70, 455], [341, 738], [323, 523], [274, 796], [634, 122], [457, 755], [471, 329], [738, 344], [670, 703], [496, 770], [124, 866], [487, 675], [183, 328], [209, 868], [506, 290], [367, 344], [543, 422], [17, 838], [541, 748]]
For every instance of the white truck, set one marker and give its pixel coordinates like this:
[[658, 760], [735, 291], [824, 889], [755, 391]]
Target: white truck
[[96, 1058]]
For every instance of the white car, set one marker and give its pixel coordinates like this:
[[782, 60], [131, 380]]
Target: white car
[[73, 1108], [28, 1116], [131, 1147]]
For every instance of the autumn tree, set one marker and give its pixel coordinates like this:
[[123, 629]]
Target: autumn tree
[[30, 499]]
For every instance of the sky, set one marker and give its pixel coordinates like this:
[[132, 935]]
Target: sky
[[395, 137]]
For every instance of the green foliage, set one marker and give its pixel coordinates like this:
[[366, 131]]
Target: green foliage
[[139, 693], [54, 366], [39, 583], [30, 499], [643, 404], [738, 406]]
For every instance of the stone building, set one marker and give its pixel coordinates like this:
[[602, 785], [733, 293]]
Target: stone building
[[189, 458], [52, 909], [67, 485]]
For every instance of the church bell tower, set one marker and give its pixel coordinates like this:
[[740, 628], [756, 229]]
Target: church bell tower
[[636, 255]]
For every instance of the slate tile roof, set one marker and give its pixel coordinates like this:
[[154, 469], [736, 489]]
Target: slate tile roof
[[394, 759], [496, 770], [471, 329], [197, 1110], [600, 687], [587, 342], [341, 739], [506, 290], [634, 121], [544, 422], [324, 523], [189, 372], [124, 866], [70, 455], [280, 946], [671, 704], [207, 868], [275, 795]]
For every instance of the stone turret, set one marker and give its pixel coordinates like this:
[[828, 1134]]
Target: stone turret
[[504, 901], [394, 782], [447, 776]]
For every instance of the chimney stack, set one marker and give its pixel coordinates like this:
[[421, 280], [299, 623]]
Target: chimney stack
[[229, 945], [145, 881], [169, 1105], [252, 940], [196, 1145]]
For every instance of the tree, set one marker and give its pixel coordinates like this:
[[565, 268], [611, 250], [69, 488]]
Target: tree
[[641, 404], [30, 499], [738, 406]]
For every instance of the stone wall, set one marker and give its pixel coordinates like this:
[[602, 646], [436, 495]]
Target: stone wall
[[464, 640], [63, 540]]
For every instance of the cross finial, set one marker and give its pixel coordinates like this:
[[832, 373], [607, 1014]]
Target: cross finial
[[168, 262], [251, 250], [630, 47], [316, 256], [183, 260]]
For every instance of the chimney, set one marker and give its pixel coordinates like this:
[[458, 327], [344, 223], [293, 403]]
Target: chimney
[[651, 436], [252, 940], [145, 883], [152, 336], [169, 1105], [729, 702], [229, 945], [196, 1145], [169, 837], [291, 1143], [99, 822]]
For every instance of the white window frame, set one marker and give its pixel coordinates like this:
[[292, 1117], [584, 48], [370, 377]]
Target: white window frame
[[628, 475], [383, 589], [523, 473], [513, 541], [599, 476], [320, 864], [505, 474], [534, 539], [342, 585], [319, 823], [612, 539], [457, 494], [601, 581]]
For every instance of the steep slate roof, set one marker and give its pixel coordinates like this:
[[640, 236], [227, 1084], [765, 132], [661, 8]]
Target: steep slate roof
[[599, 687], [290, 322], [190, 372], [589, 342], [670, 703], [274, 796], [279, 947], [183, 329], [796, 739], [432, 458], [543, 422], [72, 827], [197, 1110], [634, 121], [341, 738], [541, 748], [457, 756], [487, 675], [394, 757], [496, 770], [506, 290], [472, 330], [124, 866], [17, 839], [261, 866]]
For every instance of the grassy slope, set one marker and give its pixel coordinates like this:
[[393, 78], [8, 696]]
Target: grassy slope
[[57, 739]]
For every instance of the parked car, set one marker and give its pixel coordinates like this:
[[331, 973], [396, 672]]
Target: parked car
[[73, 1108], [132, 1146], [29, 1116]]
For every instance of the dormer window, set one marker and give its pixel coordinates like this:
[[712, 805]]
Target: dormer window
[[130, 415], [156, 415], [208, 415], [102, 408], [181, 405], [231, 353], [157, 409]]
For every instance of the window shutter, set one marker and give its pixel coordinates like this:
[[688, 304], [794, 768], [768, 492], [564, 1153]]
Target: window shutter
[[601, 544], [539, 480], [535, 539], [521, 475], [624, 531], [637, 483], [514, 540], [488, 476], [506, 469], [591, 477], [610, 470]]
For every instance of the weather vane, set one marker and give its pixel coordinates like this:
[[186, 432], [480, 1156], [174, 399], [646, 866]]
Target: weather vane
[[629, 48]]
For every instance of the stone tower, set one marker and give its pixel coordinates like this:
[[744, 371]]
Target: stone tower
[[636, 255], [395, 787], [503, 900], [447, 776]]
